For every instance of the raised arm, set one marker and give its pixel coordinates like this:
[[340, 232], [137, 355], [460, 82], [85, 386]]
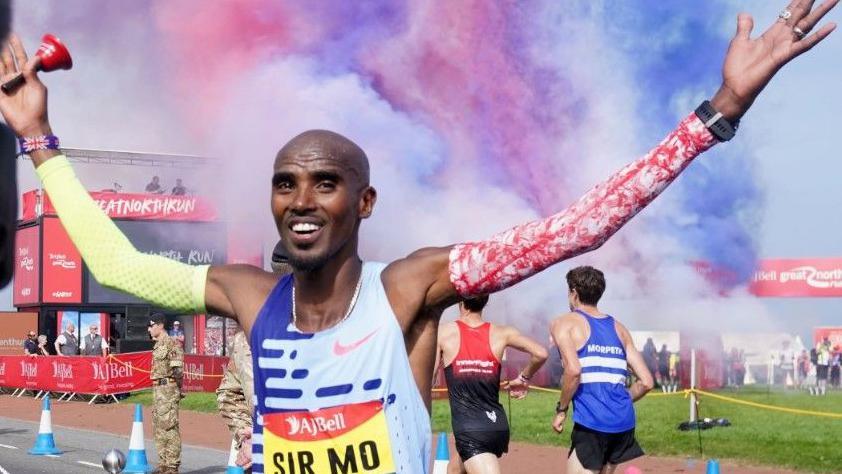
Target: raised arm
[[110, 256], [469, 269]]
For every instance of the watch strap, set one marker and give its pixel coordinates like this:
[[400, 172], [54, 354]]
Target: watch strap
[[721, 128]]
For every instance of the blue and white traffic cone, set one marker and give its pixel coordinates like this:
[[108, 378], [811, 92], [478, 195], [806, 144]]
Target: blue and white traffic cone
[[45, 443], [136, 459], [713, 466], [233, 468], [442, 455]]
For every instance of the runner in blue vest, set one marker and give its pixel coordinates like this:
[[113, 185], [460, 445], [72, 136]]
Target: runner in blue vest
[[597, 351]]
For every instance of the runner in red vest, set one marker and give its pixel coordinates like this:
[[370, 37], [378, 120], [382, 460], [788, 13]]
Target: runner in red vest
[[471, 350]]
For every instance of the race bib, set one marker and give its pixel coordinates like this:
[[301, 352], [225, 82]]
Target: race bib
[[345, 439]]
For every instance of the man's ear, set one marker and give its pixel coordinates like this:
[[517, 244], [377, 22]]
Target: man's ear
[[368, 198]]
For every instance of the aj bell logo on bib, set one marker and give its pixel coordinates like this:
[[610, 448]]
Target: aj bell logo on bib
[[315, 425], [345, 439]]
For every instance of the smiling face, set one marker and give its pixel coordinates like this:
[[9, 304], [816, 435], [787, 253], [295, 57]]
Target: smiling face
[[320, 192]]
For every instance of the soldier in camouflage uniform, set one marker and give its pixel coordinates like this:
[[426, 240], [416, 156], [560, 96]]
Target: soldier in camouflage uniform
[[167, 377], [235, 395]]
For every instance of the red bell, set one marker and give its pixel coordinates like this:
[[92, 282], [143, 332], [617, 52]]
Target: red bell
[[53, 54]]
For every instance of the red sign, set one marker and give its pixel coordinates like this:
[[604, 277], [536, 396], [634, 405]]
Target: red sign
[[131, 206], [27, 266], [798, 277], [103, 375], [834, 334], [62, 276]]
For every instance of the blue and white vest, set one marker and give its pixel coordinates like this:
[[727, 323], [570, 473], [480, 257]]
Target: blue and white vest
[[339, 400], [602, 401]]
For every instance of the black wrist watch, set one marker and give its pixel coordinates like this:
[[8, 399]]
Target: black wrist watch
[[559, 410], [722, 129]]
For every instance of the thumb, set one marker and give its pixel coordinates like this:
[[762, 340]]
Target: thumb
[[744, 25]]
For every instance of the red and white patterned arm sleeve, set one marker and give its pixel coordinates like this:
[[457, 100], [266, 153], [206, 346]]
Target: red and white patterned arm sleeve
[[518, 253]]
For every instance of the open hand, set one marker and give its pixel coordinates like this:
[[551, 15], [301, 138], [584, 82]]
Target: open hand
[[24, 108], [751, 63]]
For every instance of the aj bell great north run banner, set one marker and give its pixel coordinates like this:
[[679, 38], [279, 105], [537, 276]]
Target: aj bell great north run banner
[[103, 375], [798, 277], [131, 206]]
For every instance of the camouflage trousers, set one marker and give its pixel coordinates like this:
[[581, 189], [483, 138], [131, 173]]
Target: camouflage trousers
[[165, 424]]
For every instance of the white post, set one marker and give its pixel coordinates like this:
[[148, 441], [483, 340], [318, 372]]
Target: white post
[[770, 371], [692, 384]]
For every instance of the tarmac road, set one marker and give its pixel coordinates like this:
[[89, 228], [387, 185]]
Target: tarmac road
[[83, 451]]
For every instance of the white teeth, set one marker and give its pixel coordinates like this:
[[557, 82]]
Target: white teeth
[[305, 227]]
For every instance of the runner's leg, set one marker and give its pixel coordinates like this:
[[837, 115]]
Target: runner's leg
[[485, 463]]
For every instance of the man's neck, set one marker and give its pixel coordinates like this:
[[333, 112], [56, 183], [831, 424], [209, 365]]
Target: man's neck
[[322, 296], [470, 318], [591, 310]]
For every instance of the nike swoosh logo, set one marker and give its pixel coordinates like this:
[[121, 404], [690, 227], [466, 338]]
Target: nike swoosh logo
[[341, 350]]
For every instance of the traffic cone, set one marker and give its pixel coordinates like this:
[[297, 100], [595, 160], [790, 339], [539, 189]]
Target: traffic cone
[[713, 466], [442, 455], [136, 459], [45, 443], [233, 468]]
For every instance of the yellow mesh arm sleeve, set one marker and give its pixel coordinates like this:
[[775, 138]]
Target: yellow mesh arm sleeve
[[109, 254]]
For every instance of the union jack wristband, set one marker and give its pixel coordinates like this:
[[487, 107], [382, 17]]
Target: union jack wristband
[[39, 142]]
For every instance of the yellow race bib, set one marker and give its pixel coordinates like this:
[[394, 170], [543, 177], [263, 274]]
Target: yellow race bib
[[339, 440]]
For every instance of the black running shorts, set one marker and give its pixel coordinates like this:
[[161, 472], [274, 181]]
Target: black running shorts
[[821, 372], [472, 443], [595, 449]]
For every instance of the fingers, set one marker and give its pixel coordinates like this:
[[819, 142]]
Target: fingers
[[799, 10], [7, 60], [19, 51], [745, 23], [809, 22], [807, 43]]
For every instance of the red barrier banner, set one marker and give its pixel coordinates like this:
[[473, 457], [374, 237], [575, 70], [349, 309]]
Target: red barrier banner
[[131, 206], [27, 266], [62, 271], [103, 375], [90, 375], [203, 373], [798, 277]]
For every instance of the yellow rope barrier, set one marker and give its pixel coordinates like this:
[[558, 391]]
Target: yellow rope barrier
[[687, 392], [796, 411]]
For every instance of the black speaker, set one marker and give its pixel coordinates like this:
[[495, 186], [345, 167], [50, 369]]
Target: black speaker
[[127, 345], [137, 322], [8, 202]]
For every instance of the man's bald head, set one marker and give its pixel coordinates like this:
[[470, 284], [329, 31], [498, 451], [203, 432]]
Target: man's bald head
[[324, 144]]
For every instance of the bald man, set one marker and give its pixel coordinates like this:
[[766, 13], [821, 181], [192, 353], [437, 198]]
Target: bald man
[[344, 350]]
